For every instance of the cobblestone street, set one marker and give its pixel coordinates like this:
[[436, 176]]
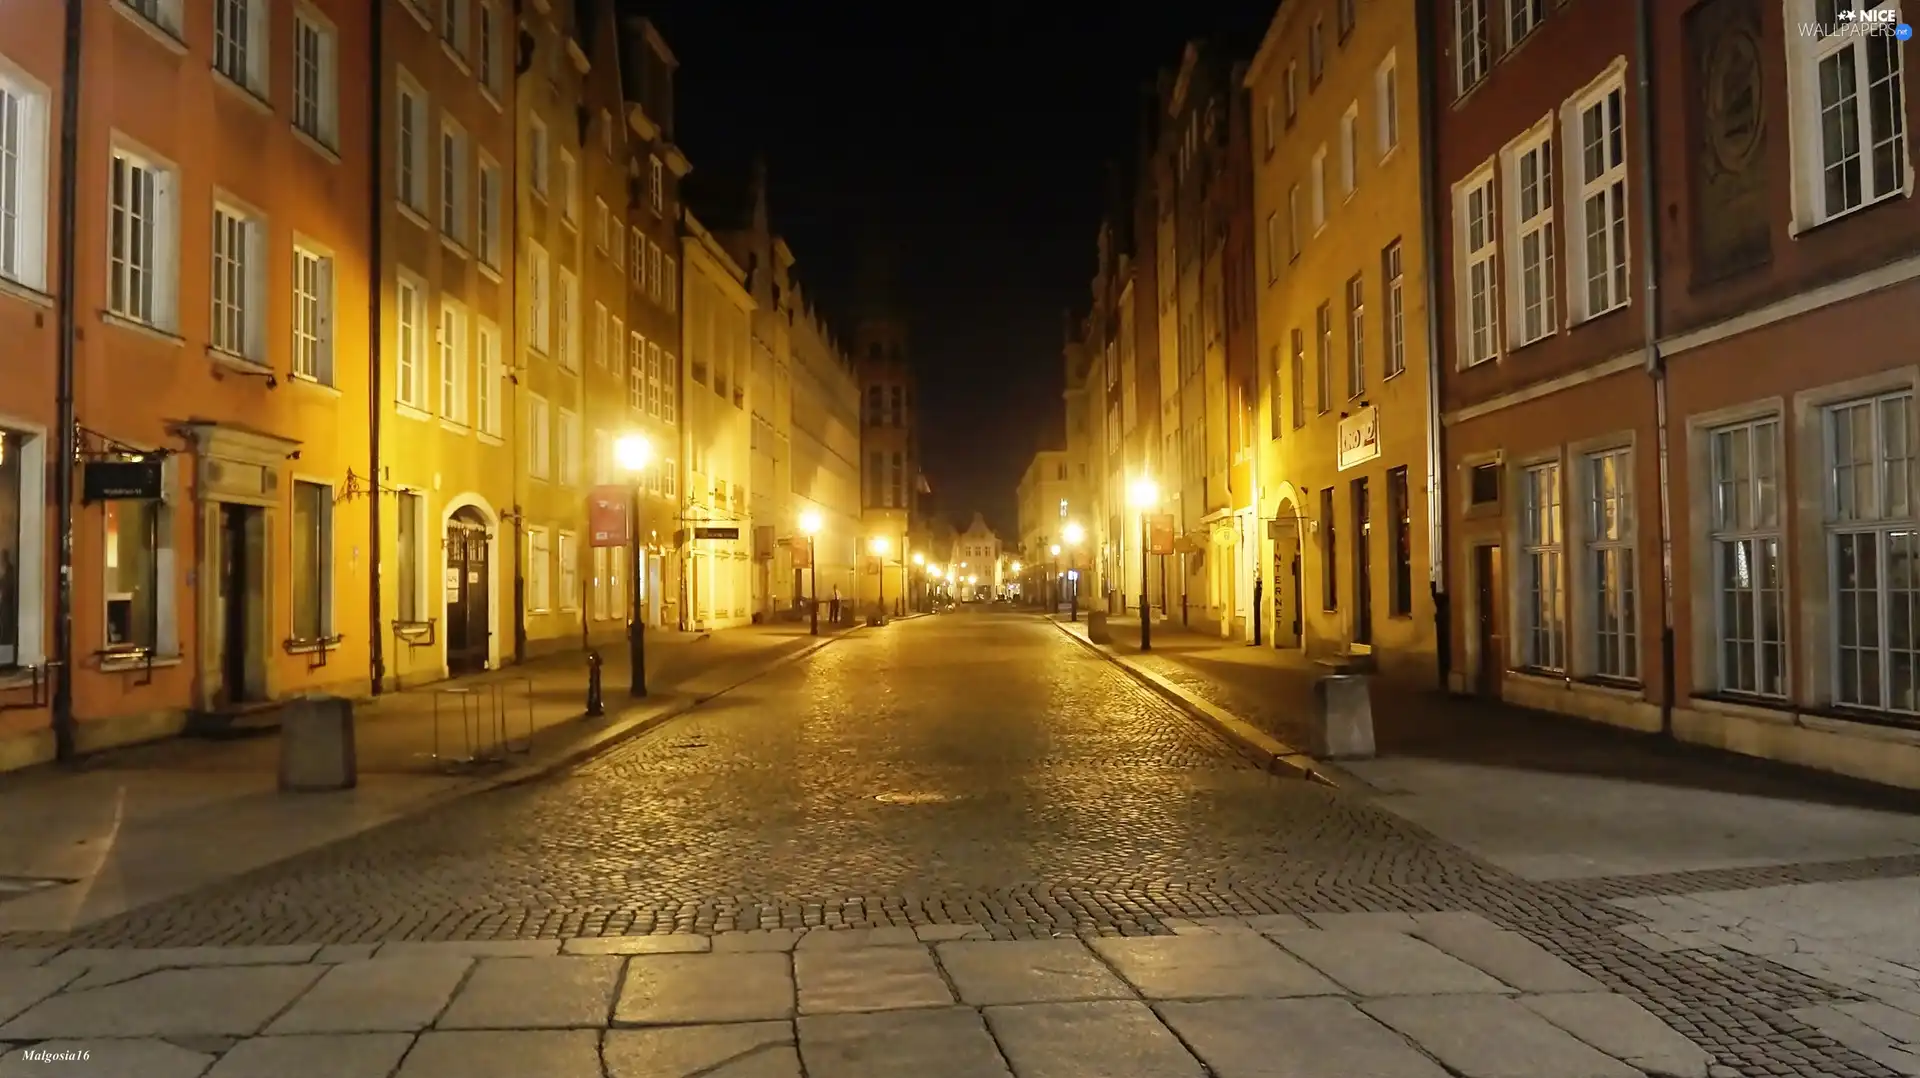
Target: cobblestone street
[[983, 777]]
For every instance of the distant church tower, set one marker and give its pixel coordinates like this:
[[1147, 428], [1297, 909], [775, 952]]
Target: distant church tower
[[889, 446]]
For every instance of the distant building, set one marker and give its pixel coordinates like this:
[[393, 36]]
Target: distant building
[[716, 432], [1045, 499], [978, 566], [892, 480]]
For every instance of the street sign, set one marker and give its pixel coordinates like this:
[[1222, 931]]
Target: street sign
[[121, 480], [1359, 438], [1160, 533], [607, 515], [716, 533]]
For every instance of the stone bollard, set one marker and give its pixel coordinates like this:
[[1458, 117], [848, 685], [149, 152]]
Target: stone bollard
[[1097, 630], [316, 745], [1343, 717]]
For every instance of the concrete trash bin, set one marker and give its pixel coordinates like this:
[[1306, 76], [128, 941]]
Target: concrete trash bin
[[1097, 630], [1343, 718], [316, 745]]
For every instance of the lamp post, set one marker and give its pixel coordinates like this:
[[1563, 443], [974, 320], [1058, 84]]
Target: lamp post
[[633, 453], [1053, 581], [877, 546], [1143, 494], [920, 560], [1073, 534], [810, 526]]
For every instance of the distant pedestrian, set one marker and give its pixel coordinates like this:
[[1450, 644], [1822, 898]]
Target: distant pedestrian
[[833, 607]]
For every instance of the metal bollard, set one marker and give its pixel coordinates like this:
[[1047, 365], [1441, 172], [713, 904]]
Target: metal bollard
[[595, 708]]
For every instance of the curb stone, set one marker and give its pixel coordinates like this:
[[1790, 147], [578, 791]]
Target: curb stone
[[1269, 752]]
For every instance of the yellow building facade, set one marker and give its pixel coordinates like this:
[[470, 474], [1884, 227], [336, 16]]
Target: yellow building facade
[[716, 580], [1343, 438]]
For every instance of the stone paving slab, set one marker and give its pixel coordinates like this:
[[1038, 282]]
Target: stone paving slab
[[1494, 1037], [675, 943], [1089, 1040], [548, 1053], [1029, 971], [230, 1001], [536, 993], [678, 989], [327, 1055], [1295, 1038], [97, 1058], [1373, 963], [105, 966], [1512, 958], [377, 996], [880, 978], [22, 988], [1211, 967], [951, 1042], [746, 1050], [1624, 1030]]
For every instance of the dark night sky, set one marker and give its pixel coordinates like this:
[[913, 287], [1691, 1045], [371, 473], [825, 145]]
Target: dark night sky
[[975, 138]]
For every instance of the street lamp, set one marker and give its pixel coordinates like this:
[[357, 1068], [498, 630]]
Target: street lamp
[[810, 526], [633, 453], [877, 546], [1073, 533], [1143, 494]]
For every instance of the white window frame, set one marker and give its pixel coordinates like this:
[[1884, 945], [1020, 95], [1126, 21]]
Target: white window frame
[[146, 291], [636, 373], [27, 447], [313, 342], [237, 294], [1610, 189], [1612, 581], [1274, 255], [602, 223], [1542, 605], [602, 319], [1322, 360], [654, 283], [1293, 222], [1531, 235], [636, 258], [567, 433], [669, 399], [567, 321], [1386, 96], [1317, 182], [451, 336], [25, 173], [1806, 53], [570, 190], [410, 331], [489, 193], [1356, 307], [539, 571], [1745, 522], [1472, 44], [539, 438], [566, 554], [487, 46], [656, 186], [655, 383], [162, 15], [455, 27], [412, 171], [486, 377], [1293, 91], [324, 585], [316, 78], [456, 184], [166, 630], [411, 589], [669, 285], [240, 52], [1523, 18], [539, 157], [1350, 151], [1393, 308], [1874, 504], [1475, 263], [539, 299]]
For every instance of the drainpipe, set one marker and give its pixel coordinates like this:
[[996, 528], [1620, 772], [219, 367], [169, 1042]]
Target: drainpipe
[[68, 421], [1656, 366], [376, 108], [1428, 126]]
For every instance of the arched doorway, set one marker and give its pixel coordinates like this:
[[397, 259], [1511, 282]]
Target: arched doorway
[[469, 617], [1287, 585]]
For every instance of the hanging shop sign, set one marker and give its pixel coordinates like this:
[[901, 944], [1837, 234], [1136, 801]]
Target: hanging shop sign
[[716, 533], [607, 515], [121, 480], [1160, 533], [1359, 437]]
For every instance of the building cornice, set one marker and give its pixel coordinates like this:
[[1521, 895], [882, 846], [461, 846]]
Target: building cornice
[[641, 123], [678, 162]]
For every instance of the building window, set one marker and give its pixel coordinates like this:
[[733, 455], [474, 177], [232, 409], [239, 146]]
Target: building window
[[487, 46], [539, 438], [569, 190], [1299, 383], [539, 153], [569, 448], [637, 372], [1269, 126], [488, 247], [1323, 357], [1610, 544], [408, 535], [1316, 53], [539, 566], [163, 14], [1273, 247], [411, 153], [238, 270], [1293, 91], [637, 259], [656, 389], [656, 282], [1343, 18], [1350, 150], [410, 354], [22, 505], [601, 318], [138, 563], [453, 25], [453, 182], [239, 43], [899, 496], [23, 179], [486, 378], [1483, 484], [312, 562], [1600, 259], [316, 79], [1849, 104], [1356, 336], [1400, 512], [897, 406], [1275, 398], [656, 186], [1522, 17], [1749, 564], [602, 225], [1293, 222], [1472, 43], [313, 315], [669, 386], [540, 325], [143, 251], [1474, 223], [1529, 186], [1874, 550], [1386, 96], [1318, 179], [453, 363], [873, 406], [567, 553], [1543, 605], [1393, 292], [1329, 553]]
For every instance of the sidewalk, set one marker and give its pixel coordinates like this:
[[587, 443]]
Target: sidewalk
[[1341, 994], [148, 822], [1541, 795]]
